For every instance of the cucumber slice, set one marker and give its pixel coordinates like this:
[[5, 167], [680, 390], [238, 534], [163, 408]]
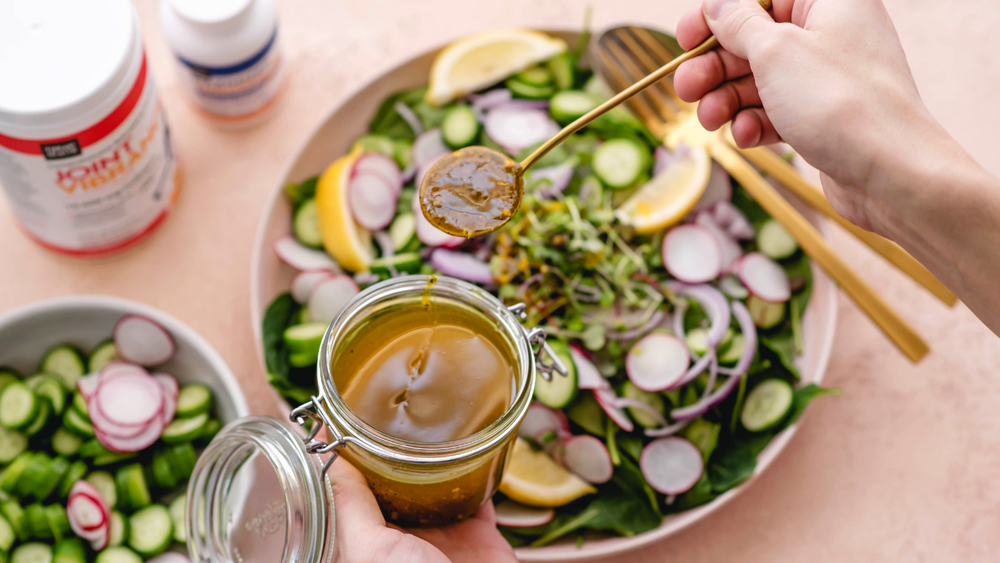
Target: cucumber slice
[[58, 522], [536, 76], [697, 340], [588, 414], [560, 391], [766, 405], [66, 444], [211, 429], [38, 522], [118, 554], [178, 511], [563, 69], [56, 470], [18, 406], [303, 341], [185, 429], [103, 353], [133, 494], [620, 163], [118, 530], [641, 417], [93, 448], [66, 361], [7, 376], [402, 230], [163, 474], [41, 419], [597, 87], [374, 143], [32, 553], [305, 225], [734, 351], [34, 475], [193, 399], [11, 475], [76, 471], [522, 89], [105, 484], [403, 153], [78, 424], [70, 550], [80, 405], [182, 460], [7, 535], [12, 444], [52, 390], [407, 263], [150, 530], [14, 515], [460, 127], [569, 105], [112, 458], [774, 241], [765, 314]]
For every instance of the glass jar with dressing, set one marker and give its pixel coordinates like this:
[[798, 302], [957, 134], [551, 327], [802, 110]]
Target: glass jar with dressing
[[426, 468]]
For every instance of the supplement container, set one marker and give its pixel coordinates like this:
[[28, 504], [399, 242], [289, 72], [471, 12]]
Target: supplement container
[[228, 58], [85, 154], [416, 484]]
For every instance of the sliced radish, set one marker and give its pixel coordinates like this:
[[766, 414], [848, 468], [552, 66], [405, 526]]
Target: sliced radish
[[764, 277], [87, 385], [303, 284], [657, 361], [541, 420], [100, 541], [719, 188], [516, 129], [729, 217], [429, 234], [169, 557], [588, 457], [143, 341], [731, 286], [559, 177], [330, 296], [134, 444], [517, 515], [671, 465], [372, 200], [382, 166], [429, 146], [730, 250], [424, 168], [130, 400], [302, 258], [587, 374], [86, 510], [606, 398], [112, 429], [170, 389], [691, 254], [461, 265]]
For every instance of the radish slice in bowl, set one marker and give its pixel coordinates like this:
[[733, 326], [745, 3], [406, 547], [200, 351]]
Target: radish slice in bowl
[[303, 284], [540, 420], [588, 458], [130, 400], [691, 254], [607, 399], [587, 374], [517, 515], [134, 444], [302, 258], [428, 147], [764, 277], [86, 510], [428, 233], [671, 465], [516, 129], [382, 166], [143, 341], [657, 361], [372, 200], [330, 296]]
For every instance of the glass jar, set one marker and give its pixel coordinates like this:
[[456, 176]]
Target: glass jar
[[416, 484]]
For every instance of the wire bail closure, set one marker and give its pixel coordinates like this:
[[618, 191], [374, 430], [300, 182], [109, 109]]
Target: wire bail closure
[[309, 410], [536, 337]]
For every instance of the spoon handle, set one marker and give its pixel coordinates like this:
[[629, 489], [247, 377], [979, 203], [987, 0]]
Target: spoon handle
[[662, 72]]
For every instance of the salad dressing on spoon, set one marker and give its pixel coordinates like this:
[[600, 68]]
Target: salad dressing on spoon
[[476, 190]]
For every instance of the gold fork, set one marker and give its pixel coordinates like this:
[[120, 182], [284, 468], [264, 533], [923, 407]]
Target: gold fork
[[626, 54]]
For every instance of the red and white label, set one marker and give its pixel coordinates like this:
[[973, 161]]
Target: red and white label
[[98, 190]]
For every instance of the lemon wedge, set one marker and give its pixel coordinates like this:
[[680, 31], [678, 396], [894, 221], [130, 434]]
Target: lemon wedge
[[484, 59], [670, 195], [535, 479], [348, 243]]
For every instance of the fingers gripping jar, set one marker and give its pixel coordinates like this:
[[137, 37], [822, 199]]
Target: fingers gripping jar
[[416, 484]]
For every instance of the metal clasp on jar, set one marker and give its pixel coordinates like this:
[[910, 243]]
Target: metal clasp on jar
[[536, 337], [310, 410]]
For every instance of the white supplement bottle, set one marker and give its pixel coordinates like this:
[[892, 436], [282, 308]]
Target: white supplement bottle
[[85, 154], [228, 57]]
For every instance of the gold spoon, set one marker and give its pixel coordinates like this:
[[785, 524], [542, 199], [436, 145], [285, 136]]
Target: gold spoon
[[476, 190]]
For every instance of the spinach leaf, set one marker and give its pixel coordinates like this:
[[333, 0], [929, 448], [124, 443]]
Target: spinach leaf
[[803, 396], [629, 477], [388, 122], [698, 495], [749, 206], [703, 434], [302, 191], [734, 462], [779, 342], [631, 445], [279, 314], [622, 511]]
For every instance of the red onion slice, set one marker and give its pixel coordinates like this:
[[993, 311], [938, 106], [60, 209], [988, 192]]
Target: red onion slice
[[483, 102], [409, 117], [749, 331], [729, 217], [626, 402], [461, 265], [715, 305], [559, 178]]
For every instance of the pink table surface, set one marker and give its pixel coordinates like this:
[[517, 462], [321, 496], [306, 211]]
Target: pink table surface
[[904, 466]]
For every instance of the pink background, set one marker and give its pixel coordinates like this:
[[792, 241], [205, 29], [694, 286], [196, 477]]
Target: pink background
[[904, 466]]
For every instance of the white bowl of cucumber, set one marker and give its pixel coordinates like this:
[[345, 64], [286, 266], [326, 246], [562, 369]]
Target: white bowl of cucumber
[[283, 296], [106, 403]]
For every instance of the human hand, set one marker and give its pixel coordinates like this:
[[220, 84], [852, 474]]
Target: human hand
[[829, 77], [362, 534]]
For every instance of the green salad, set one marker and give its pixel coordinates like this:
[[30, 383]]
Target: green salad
[[681, 343]]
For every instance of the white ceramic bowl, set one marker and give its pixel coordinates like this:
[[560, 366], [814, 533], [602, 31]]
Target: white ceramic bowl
[[85, 320], [331, 139]]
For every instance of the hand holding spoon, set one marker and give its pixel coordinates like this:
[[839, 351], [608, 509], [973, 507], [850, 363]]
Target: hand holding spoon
[[476, 190]]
